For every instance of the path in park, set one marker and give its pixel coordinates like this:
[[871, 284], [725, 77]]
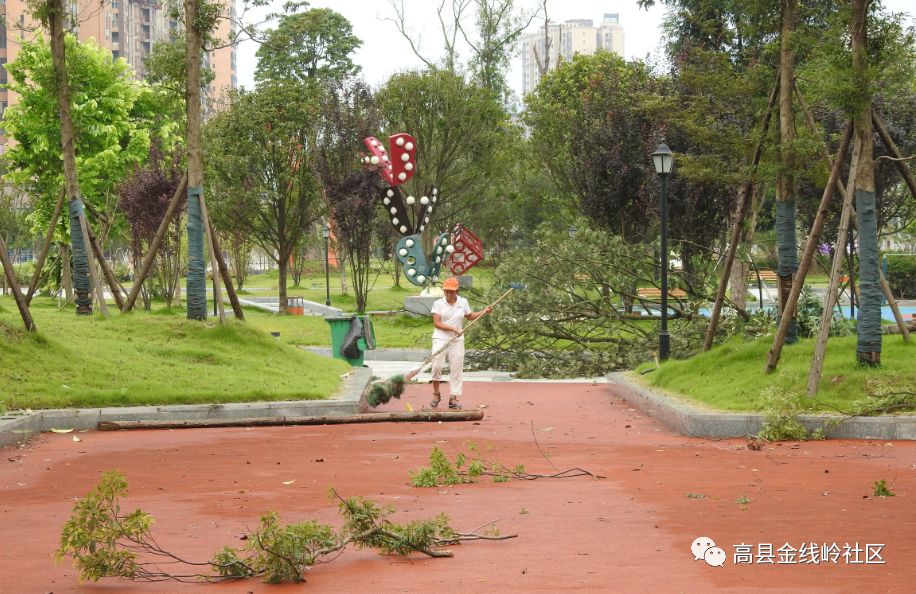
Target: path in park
[[628, 532]]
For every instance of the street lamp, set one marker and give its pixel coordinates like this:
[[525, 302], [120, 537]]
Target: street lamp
[[664, 161], [326, 233]]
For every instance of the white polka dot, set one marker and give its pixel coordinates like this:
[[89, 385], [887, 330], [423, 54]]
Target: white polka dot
[[399, 141], [411, 271], [424, 200], [408, 166], [411, 200], [386, 201], [390, 193], [402, 252], [409, 243], [405, 157], [374, 160], [403, 229], [395, 221], [409, 146], [421, 278], [402, 176], [393, 210]]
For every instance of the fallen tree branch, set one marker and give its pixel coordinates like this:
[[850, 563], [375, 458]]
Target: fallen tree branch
[[389, 417]]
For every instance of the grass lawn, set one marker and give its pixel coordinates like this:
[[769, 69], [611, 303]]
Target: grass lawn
[[731, 377], [156, 358], [400, 331], [391, 331], [383, 295]]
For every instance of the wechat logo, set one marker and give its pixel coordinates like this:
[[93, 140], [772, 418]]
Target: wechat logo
[[705, 548]]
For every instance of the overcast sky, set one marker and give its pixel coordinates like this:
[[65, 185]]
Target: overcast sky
[[385, 52]]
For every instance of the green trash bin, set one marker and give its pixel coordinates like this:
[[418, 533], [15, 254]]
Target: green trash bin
[[340, 326]]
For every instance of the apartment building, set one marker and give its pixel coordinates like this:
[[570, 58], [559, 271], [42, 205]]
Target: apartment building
[[128, 28], [561, 41]]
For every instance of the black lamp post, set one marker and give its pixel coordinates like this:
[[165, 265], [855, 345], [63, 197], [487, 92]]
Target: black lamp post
[[326, 233], [664, 161]]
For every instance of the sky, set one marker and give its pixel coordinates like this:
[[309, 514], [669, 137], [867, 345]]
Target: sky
[[385, 52]]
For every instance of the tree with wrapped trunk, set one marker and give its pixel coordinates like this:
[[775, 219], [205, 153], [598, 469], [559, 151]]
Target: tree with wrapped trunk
[[53, 15], [868, 345], [786, 246], [200, 19]]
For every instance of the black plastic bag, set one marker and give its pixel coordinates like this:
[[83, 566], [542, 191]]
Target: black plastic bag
[[350, 348]]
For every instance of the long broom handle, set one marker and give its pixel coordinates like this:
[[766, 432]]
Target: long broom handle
[[429, 359]]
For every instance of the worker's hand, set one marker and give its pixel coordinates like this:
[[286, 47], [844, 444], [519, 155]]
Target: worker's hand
[[488, 309]]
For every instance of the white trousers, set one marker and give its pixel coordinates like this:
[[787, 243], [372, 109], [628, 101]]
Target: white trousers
[[455, 354]]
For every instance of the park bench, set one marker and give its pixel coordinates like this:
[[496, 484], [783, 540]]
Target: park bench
[[766, 275], [655, 293]]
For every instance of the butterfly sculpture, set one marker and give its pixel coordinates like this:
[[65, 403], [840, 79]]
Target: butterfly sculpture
[[410, 216]]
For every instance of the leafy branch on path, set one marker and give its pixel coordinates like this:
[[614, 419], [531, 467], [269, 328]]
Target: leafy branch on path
[[103, 542], [467, 468]]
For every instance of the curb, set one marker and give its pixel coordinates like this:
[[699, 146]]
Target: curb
[[693, 421], [18, 427]]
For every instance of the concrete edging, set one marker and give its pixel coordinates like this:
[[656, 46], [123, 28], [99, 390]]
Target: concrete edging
[[698, 422], [18, 427]]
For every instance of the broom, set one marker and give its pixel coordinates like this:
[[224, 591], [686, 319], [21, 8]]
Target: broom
[[381, 391]]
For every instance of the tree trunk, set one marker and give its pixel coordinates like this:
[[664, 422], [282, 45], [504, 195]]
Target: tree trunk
[[342, 266], [84, 277], [787, 252], [283, 265], [868, 346], [808, 255], [196, 280], [738, 282]]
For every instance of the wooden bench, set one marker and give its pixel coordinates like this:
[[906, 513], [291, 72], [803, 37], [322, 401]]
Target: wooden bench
[[767, 276], [655, 293]]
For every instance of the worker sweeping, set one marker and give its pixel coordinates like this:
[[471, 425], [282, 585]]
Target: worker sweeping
[[449, 313], [452, 331]]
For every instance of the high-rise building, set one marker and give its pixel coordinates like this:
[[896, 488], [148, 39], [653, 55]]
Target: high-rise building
[[544, 49], [128, 28]]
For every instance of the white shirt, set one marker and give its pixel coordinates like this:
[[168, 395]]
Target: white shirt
[[450, 315]]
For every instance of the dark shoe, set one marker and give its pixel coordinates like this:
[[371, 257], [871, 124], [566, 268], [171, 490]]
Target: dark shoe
[[435, 401], [453, 404]]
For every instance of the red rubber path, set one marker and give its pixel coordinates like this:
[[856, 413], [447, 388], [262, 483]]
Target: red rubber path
[[628, 532]]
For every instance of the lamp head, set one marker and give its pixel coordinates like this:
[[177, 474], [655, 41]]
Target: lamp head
[[663, 159]]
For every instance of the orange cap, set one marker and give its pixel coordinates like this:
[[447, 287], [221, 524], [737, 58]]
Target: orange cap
[[450, 284]]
